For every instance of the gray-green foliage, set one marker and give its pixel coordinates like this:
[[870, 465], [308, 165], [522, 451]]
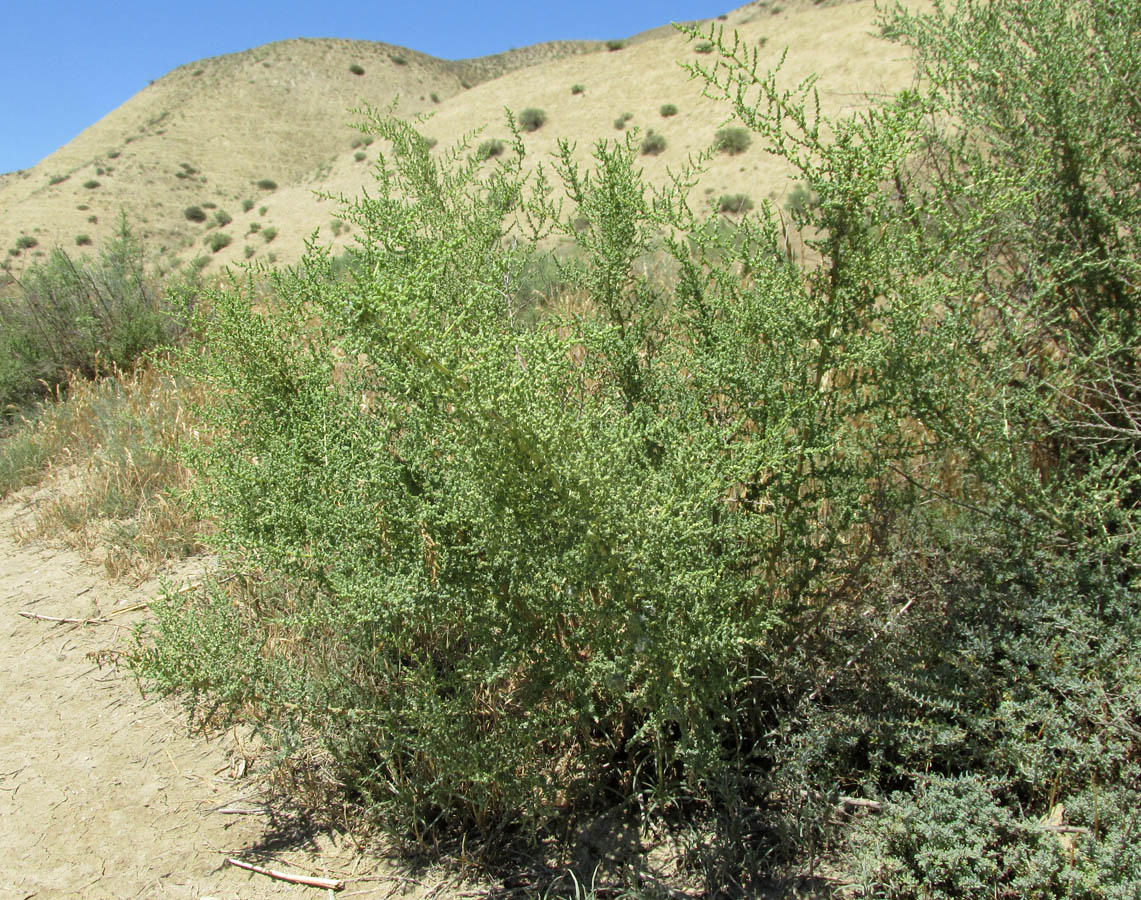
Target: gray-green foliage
[[538, 558], [82, 316], [766, 534]]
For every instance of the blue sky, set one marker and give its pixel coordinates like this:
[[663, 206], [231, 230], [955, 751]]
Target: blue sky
[[66, 65]]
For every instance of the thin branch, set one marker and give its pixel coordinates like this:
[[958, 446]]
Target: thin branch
[[307, 880]]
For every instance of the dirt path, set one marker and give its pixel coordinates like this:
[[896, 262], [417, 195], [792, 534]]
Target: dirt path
[[102, 794]]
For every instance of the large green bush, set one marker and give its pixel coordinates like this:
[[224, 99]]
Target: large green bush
[[538, 559], [785, 530]]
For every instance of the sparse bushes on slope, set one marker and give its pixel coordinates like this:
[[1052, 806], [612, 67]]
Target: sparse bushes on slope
[[653, 144]]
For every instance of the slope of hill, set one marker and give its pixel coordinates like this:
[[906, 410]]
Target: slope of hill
[[230, 150]]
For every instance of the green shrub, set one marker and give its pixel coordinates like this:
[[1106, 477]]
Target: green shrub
[[93, 219], [91, 184], [248, 251], [247, 205], [222, 218], [399, 60], [267, 184], [532, 119], [732, 140], [434, 97], [653, 144], [58, 179], [195, 213], [208, 205], [614, 44], [268, 233], [620, 122], [360, 156], [667, 110], [254, 227], [262, 210], [26, 242], [800, 200], [578, 89], [113, 154], [734, 203], [539, 555], [774, 538], [356, 69], [489, 148], [217, 240], [703, 47], [83, 318], [82, 240]]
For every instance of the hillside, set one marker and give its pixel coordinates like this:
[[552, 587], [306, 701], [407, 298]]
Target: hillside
[[206, 134]]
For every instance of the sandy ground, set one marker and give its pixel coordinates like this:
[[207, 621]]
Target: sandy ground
[[102, 793]]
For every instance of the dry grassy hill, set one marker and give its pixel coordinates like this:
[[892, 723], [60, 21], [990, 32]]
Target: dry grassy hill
[[249, 137]]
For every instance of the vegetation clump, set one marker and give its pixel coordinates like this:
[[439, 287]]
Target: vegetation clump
[[267, 184], [490, 148], [734, 203], [70, 318], [667, 109], [356, 69], [532, 119], [218, 240], [194, 214], [733, 140], [774, 540], [653, 144]]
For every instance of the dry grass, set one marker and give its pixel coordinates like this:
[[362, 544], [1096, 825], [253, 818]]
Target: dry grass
[[105, 455]]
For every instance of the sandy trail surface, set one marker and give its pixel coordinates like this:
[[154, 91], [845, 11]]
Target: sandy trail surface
[[102, 793]]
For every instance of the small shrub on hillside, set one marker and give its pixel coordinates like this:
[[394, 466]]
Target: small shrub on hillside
[[82, 240], [703, 47], [734, 203], [613, 45], [195, 213], [490, 148], [267, 184], [83, 207], [578, 89], [356, 69], [222, 219], [254, 227], [262, 210], [653, 144], [248, 251], [57, 179], [399, 60], [620, 122], [268, 234], [218, 240], [247, 205], [800, 200], [113, 154], [91, 184], [360, 156], [667, 109], [434, 97], [93, 220], [733, 140], [26, 242], [532, 119], [209, 205]]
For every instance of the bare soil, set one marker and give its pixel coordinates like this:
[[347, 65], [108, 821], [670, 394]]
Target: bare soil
[[103, 793]]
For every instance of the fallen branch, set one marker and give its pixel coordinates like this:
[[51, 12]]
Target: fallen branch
[[307, 880], [1065, 829], [58, 620]]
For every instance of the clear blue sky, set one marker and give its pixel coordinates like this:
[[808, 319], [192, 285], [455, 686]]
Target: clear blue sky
[[66, 65]]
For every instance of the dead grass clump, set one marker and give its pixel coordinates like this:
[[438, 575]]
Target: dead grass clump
[[110, 446]]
